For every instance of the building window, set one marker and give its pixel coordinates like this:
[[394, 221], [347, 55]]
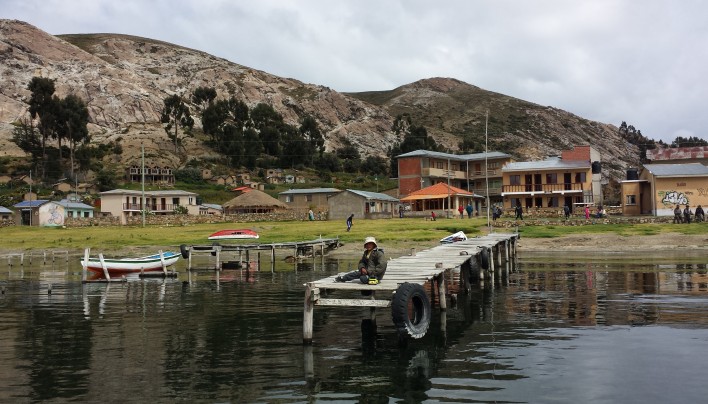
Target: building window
[[454, 166], [86, 214], [175, 201], [539, 202], [631, 200], [70, 214], [515, 179], [288, 198], [439, 165], [551, 178], [308, 198], [579, 177], [553, 202]]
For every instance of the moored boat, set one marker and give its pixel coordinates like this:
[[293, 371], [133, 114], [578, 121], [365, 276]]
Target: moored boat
[[237, 234], [121, 266]]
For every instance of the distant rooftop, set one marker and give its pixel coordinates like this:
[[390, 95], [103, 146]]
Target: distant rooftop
[[678, 153], [677, 170], [548, 164], [373, 195], [310, 191], [462, 157]]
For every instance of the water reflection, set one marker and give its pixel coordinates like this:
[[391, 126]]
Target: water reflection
[[598, 331]]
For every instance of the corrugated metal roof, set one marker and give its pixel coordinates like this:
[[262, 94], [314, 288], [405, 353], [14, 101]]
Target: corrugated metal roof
[[4, 210], [674, 170], [171, 192], [74, 205], [459, 157], [212, 206], [373, 195], [310, 191], [30, 204], [548, 164]]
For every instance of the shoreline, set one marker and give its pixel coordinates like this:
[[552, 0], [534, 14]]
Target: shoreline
[[599, 242]]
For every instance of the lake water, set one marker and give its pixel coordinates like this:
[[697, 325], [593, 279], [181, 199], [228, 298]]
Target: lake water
[[558, 328]]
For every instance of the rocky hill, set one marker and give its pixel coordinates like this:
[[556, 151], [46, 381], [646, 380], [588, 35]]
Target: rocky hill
[[124, 80]]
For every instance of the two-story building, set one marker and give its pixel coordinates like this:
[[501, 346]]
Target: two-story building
[[124, 203], [474, 173], [151, 175], [305, 199], [572, 179]]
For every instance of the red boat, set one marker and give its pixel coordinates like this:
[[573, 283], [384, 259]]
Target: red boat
[[238, 234]]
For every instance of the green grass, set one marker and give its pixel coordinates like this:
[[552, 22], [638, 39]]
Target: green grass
[[398, 233]]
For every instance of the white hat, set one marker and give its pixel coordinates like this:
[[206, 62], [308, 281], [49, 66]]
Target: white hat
[[370, 240]]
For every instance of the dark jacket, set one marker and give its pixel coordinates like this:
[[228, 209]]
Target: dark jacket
[[374, 263]]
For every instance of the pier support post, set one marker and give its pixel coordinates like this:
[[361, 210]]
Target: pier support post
[[442, 290], [308, 315]]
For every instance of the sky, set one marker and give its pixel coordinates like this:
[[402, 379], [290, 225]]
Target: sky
[[638, 61]]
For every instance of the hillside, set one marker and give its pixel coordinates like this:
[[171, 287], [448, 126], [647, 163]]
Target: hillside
[[124, 80]]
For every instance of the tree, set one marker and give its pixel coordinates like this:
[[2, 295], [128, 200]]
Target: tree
[[311, 132], [203, 96], [74, 120], [42, 107], [691, 141], [175, 114]]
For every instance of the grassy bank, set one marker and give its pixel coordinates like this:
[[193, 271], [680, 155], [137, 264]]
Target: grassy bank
[[395, 233]]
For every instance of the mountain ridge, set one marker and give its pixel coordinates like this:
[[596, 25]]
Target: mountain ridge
[[124, 80]]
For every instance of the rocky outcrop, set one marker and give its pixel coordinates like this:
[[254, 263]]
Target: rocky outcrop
[[124, 80]]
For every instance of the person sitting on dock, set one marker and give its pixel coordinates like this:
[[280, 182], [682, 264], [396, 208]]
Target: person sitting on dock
[[371, 266]]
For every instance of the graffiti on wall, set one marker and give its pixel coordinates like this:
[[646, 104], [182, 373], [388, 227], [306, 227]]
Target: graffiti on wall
[[670, 198]]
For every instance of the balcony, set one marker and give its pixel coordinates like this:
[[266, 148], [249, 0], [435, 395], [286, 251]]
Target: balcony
[[157, 208], [536, 189], [479, 174]]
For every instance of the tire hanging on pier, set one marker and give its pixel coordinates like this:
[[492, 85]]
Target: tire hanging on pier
[[184, 250], [410, 308], [484, 258]]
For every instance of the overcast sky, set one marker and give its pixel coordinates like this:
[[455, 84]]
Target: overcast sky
[[640, 61]]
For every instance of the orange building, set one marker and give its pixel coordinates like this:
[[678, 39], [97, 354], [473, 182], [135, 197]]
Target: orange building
[[571, 179]]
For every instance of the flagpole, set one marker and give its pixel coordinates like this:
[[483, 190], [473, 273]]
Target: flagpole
[[486, 166]]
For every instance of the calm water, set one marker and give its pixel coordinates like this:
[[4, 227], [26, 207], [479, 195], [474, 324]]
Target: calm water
[[556, 329]]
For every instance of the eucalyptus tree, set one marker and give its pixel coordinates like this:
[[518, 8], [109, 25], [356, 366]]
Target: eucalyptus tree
[[175, 114]]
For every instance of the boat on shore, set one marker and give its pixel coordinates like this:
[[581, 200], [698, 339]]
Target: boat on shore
[[122, 266], [237, 234]]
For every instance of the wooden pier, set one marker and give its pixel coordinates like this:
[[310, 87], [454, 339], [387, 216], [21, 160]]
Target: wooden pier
[[300, 249], [471, 257]]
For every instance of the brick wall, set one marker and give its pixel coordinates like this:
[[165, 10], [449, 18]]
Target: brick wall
[[580, 153]]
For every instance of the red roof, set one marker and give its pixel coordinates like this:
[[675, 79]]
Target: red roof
[[438, 190]]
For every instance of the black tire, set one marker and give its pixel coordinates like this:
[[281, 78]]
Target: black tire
[[484, 258], [184, 250], [410, 308]]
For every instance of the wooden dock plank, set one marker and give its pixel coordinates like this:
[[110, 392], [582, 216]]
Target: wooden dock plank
[[421, 267]]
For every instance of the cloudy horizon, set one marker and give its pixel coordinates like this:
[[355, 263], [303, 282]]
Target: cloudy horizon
[[604, 60]]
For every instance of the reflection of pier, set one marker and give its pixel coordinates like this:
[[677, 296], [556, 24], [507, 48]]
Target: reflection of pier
[[430, 266]]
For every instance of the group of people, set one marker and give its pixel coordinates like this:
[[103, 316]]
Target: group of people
[[469, 209], [685, 215]]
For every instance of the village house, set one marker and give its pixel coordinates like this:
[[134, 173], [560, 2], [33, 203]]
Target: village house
[[152, 175], [471, 172], [656, 189], [363, 204], [124, 203], [572, 179], [5, 214], [302, 200]]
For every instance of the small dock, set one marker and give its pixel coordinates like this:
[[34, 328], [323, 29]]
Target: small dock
[[471, 258], [299, 248]]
